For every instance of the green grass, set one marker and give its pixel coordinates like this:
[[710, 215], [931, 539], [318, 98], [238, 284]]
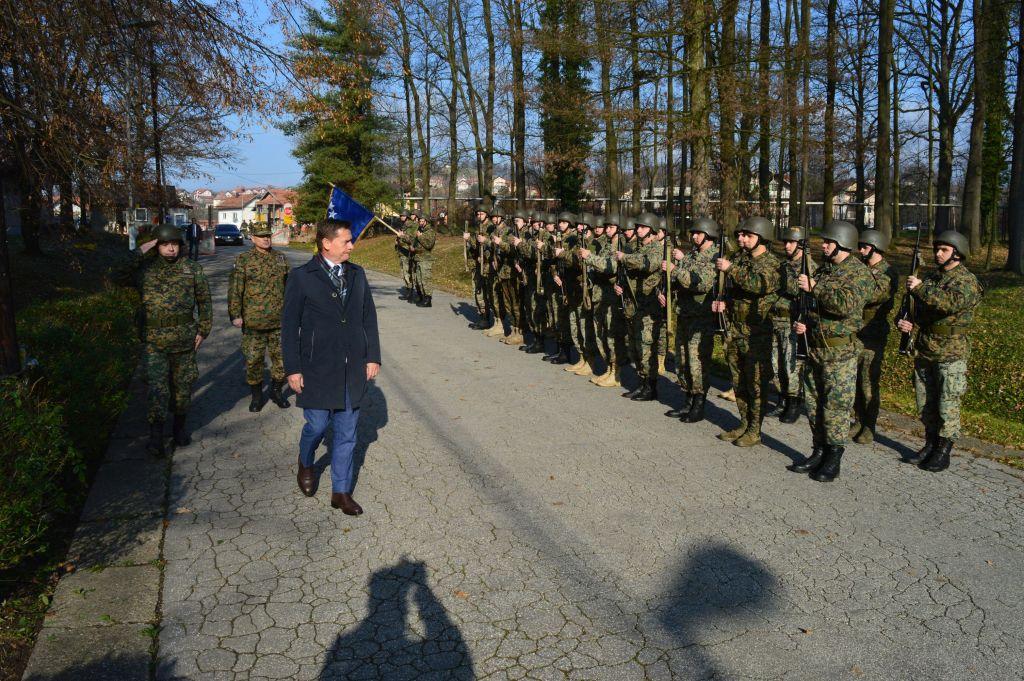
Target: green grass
[[993, 408]]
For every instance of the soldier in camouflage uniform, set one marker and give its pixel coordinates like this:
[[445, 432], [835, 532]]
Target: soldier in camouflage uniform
[[403, 256], [405, 240], [475, 249], [643, 266], [625, 291], [511, 274], [255, 300], [693, 279], [600, 263], [874, 334], [580, 319], [172, 290], [841, 288], [944, 303], [753, 280], [787, 367], [420, 250], [527, 258], [557, 292]]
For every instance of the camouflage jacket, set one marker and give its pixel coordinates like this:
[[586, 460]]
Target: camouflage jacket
[[256, 288], [423, 243], [945, 303], [601, 263], [784, 309], [644, 267], [171, 292], [481, 253], [572, 272], [879, 306], [840, 294], [694, 279], [405, 237], [752, 284], [501, 255]]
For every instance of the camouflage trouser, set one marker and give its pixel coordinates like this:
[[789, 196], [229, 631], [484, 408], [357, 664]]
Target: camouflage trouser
[[938, 387], [256, 344], [869, 373], [609, 325], [403, 266], [786, 367], [528, 304], [580, 322], [508, 292], [169, 376], [424, 276], [693, 344], [560, 315], [648, 339], [747, 357], [480, 296], [830, 386]]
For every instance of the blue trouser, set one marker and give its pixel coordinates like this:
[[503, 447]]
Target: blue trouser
[[343, 442]]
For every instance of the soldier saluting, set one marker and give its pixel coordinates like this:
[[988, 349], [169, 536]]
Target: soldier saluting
[[255, 301], [945, 300]]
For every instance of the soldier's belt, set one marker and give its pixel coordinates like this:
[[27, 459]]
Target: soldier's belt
[[163, 321], [832, 342], [944, 330]]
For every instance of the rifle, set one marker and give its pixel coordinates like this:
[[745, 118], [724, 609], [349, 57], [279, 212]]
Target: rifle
[[465, 246], [622, 281], [559, 266], [907, 306], [412, 263], [803, 302], [668, 280], [540, 258], [588, 302], [721, 323]]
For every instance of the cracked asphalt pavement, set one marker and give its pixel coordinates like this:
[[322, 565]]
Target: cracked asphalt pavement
[[523, 524]]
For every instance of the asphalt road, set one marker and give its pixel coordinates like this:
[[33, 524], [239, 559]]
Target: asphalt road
[[522, 523]]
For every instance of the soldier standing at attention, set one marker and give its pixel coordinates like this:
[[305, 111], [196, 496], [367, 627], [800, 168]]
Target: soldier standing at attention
[[785, 364], [572, 275], [173, 289], [644, 268], [560, 290], [421, 251], [474, 247], [753, 280], [694, 280], [601, 264], [409, 263], [403, 257], [841, 288], [873, 245], [255, 300], [945, 300]]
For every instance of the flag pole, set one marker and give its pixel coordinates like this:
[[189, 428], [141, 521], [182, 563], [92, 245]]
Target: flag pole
[[386, 225]]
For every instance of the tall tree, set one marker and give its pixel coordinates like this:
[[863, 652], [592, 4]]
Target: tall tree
[[883, 169], [1015, 198]]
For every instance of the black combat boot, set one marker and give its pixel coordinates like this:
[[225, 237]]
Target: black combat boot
[[780, 407], [696, 412], [276, 396], [829, 468], [155, 446], [425, 301], [537, 345], [403, 294], [791, 412], [630, 394], [257, 402], [563, 354], [181, 438], [811, 462], [938, 460], [480, 324], [930, 442], [648, 392], [414, 297], [683, 409]]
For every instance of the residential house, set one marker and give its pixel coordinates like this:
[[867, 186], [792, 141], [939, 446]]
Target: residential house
[[277, 206], [845, 207], [236, 210]]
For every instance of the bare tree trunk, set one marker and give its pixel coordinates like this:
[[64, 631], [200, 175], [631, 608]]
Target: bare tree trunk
[[696, 27], [764, 145], [831, 78], [897, 148], [605, 53], [518, 102], [453, 94], [727, 113], [472, 96], [789, 86], [488, 153], [1015, 199], [805, 132], [970, 209], [634, 57], [670, 131], [883, 173]]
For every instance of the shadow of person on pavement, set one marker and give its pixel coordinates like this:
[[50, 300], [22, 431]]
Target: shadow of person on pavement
[[385, 646], [716, 594], [218, 390], [373, 415], [905, 452], [465, 310], [109, 667]]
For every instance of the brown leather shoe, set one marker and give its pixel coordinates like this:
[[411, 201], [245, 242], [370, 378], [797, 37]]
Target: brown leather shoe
[[307, 480], [346, 503]]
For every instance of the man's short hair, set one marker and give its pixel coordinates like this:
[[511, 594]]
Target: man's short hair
[[328, 229]]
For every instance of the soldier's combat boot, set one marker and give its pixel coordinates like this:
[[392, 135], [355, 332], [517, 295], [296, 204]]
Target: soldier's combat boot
[[155, 446], [938, 460], [481, 323], [810, 463], [779, 407], [563, 354], [829, 468], [930, 440], [864, 436], [730, 435], [729, 395], [498, 329], [630, 394], [750, 438], [578, 364], [683, 409], [648, 392], [696, 413], [181, 438], [536, 346], [661, 364], [257, 402], [515, 338], [792, 410], [276, 396], [425, 301], [403, 293], [548, 356], [587, 369]]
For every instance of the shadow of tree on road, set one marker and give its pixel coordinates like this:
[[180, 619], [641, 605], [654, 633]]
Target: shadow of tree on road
[[384, 646]]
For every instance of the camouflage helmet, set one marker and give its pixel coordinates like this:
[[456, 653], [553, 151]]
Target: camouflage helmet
[[843, 233], [566, 216], [628, 223], [611, 219], [707, 226], [484, 206], [953, 238], [876, 239], [662, 224], [549, 218], [758, 225], [587, 219], [262, 229], [792, 234], [168, 233], [647, 220]]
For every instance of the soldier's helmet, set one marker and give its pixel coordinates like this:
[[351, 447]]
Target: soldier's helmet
[[662, 224], [586, 219], [168, 233], [707, 226], [953, 238], [611, 219], [628, 223], [876, 239], [262, 229], [521, 214], [792, 234], [843, 233], [647, 219], [566, 216], [758, 225]]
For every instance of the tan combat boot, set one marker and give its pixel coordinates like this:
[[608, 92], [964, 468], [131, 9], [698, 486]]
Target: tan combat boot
[[729, 395], [730, 435], [597, 380], [748, 439], [515, 338], [497, 330], [586, 369], [661, 364], [610, 378], [573, 368]]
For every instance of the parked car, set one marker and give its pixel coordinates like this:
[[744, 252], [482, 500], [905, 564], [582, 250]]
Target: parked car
[[228, 234]]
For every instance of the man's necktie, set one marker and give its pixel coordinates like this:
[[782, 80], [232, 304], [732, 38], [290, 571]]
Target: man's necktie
[[338, 279]]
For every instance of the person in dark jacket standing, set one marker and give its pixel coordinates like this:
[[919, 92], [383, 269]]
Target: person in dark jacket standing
[[331, 351], [195, 234]]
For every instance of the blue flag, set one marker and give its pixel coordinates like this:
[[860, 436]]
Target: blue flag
[[344, 207]]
